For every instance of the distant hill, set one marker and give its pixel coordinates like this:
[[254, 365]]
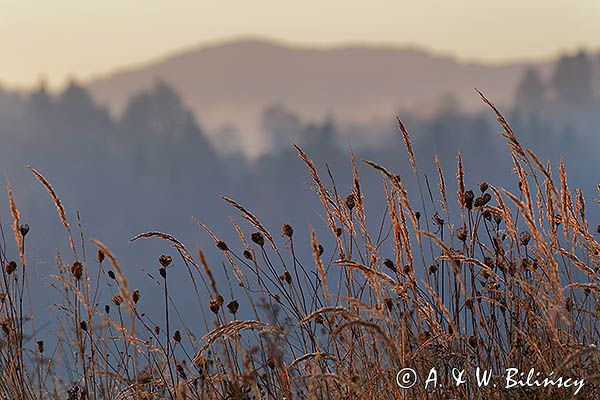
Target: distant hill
[[232, 82]]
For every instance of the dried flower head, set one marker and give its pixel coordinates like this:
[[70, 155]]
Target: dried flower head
[[135, 296], [100, 256], [107, 309], [258, 238], [165, 260], [221, 245], [83, 326], [524, 238], [437, 219], [483, 186], [389, 303], [11, 267], [248, 254], [117, 300], [177, 336], [214, 306], [111, 274], [77, 270], [40, 346], [287, 277], [287, 230], [469, 196], [321, 250], [24, 229], [417, 215], [461, 233], [233, 306], [389, 264]]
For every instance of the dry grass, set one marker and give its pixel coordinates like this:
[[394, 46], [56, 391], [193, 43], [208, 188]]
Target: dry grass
[[509, 281]]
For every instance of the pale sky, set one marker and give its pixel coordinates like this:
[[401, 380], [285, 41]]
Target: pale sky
[[59, 39]]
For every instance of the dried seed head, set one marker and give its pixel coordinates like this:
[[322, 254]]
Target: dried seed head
[[486, 198], [248, 254], [479, 202], [321, 250], [407, 269], [83, 326], [433, 269], [181, 373], [100, 256], [177, 336], [221, 245], [220, 300], [107, 309], [389, 303], [469, 196], [77, 270], [11, 267], [24, 229], [487, 214], [135, 296], [258, 238], [287, 277], [40, 346], [389, 264], [233, 306], [497, 218], [214, 306], [338, 232], [461, 233], [524, 238], [469, 303], [117, 300], [165, 260], [417, 215], [163, 272], [483, 186], [157, 330], [437, 219], [350, 202], [287, 230], [111, 274]]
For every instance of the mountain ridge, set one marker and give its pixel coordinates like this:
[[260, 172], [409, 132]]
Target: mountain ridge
[[232, 82]]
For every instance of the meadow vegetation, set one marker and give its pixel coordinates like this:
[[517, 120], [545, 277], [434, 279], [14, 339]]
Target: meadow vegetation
[[480, 277]]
